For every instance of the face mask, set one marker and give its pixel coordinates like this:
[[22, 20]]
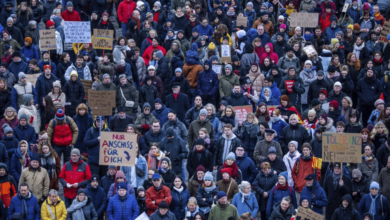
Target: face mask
[[354, 7], [333, 26]]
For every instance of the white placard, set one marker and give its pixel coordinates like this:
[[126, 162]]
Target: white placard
[[217, 69], [77, 32]]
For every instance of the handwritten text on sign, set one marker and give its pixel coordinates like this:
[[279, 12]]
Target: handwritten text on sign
[[118, 149], [304, 20], [102, 39], [385, 31], [345, 148], [47, 39], [242, 112], [77, 32], [101, 102]]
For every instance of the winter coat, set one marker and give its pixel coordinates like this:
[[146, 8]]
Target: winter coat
[[277, 126], [362, 188], [115, 187], [368, 90], [74, 173], [143, 119], [257, 80], [26, 133], [58, 210], [307, 77], [98, 198], [261, 150], [61, 69], [277, 164], [161, 115], [176, 155], [277, 214], [147, 95], [301, 169], [16, 166], [74, 91], [249, 205], [40, 86], [193, 130], [195, 159], [93, 144], [10, 80], [30, 52], [226, 84], [285, 62], [371, 173], [157, 196], [349, 212], [192, 114], [382, 154], [335, 195], [381, 206], [237, 99], [297, 133], [179, 105], [264, 183], [230, 187], [83, 124], [85, 70], [19, 90], [276, 196], [316, 86], [70, 16], [38, 181], [297, 90], [72, 126], [208, 82], [179, 202], [319, 200], [289, 161], [107, 67], [33, 209], [247, 167], [129, 94], [151, 137], [220, 146], [179, 128], [223, 212]]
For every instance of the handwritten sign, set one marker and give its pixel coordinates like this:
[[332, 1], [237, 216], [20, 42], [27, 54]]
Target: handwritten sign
[[289, 85], [101, 102], [87, 86], [242, 112], [242, 21], [47, 39], [385, 31], [345, 8], [32, 78], [310, 50], [343, 148], [303, 19], [102, 39], [118, 148], [217, 69], [225, 53], [77, 32], [308, 214]]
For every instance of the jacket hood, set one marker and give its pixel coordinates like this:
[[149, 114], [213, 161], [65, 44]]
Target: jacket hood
[[271, 47], [270, 92], [248, 48], [349, 199], [57, 21], [194, 47], [329, 123], [208, 62], [369, 215]]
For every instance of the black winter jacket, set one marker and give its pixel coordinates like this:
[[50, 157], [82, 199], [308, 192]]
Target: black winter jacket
[[119, 125], [37, 13], [348, 213], [362, 188], [164, 72], [237, 99], [277, 165], [369, 90], [264, 183], [148, 94], [191, 115], [293, 132], [195, 159], [74, 91], [180, 106], [219, 148], [316, 86], [335, 194], [177, 152], [5, 100], [48, 7]]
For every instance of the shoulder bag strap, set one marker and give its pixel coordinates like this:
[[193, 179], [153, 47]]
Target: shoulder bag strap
[[248, 205], [123, 95], [227, 193]]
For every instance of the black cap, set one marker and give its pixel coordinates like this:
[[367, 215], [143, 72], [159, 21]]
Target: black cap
[[270, 131], [288, 48], [163, 205], [331, 69], [315, 102], [387, 105], [247, 80], [4, 65], [175, 84], [320, 73], [336, 165], [199, 141], [310, 177], [95, 178], [170, 132]]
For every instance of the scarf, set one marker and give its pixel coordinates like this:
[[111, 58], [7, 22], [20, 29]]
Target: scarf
[[280, 187], [234, 167], [179, 190], [228, 119], [373, 204], [175, 95], [10, 118], [244, 196], [160, 169], [49, 163], [198, 151], [24, 204], [379, 62], [77, 209], [345, 112], [138, 23], [250, 128], [26, 160], [152, 160], [104, 22], [368, 160], [336, 178], [209, 188], [357, 49], [231, 13]]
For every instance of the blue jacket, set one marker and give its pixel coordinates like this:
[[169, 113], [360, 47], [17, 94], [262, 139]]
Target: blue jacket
[[354, 14], [83, 124], [30, 53], [331, 32], [271, 101], [11, 144], [52, 64], [242, 207], [277, 195], [26, 133], [142, 165], [161, 114], [208, 82], [18, 67], [126, 210], [151, 137], [15, 166], [99, 199], [33, 209], [14, 97], [320, 198], [40, 87], [253, 34], [365, 203], [247, 167], [208, 31], [278, 127], [93, 144], [179, 202], [376, 113], [275, 91]]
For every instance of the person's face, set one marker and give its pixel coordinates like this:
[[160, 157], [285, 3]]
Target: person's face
[[24, 190], [75, 158], [269, 137], [229, 112], [291, 72], [228, 131], [364, 134], [229, 162], [147, 110], [293, 121], [9, 23], [367, 151], [223, 200], [370, 73], [111, 172], [271, 157], [171, 117], [374, 191], [204, 23], [120, 179], [380, 129], [305, 203], [337, 170], [281, 180], [157, 182], [34, 164], [237, 89], [328, 10], [387, 110], [79, 61], [240, 151], [318, 32], [291, 148], [23, 122], [319, 135], [23, 148], [2, 84], [266, 171], [122, 192], [298, 32], [322, 121], [99, 123], [53, 198], [45, 149], [258, 44], [177, 182], [340, 129], [191, 207], [260, 30], [377, 56], [262, 129], [306, 151], [231, 9], [311, 117], [198, 101], [156, 127], [202, 117], [322, 96], [130, 129], [164, 164], [227, 71], [94, 184]]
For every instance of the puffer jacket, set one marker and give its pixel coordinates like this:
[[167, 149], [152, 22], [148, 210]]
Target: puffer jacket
[[26, 133], [107, 67], [257, 79], [276, 196], [161, 114], [179, 201], [277, 215], [208, 81], [72, 125], [33, 209], [226, 83], [74, 173], [152, 194], [381, 201], [307, 76], [264, 183], [58, 210], [319, 201], [179, 128], [86, 71]]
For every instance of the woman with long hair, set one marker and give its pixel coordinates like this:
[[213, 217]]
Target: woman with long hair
[[277, 123], [82, 207], [51, 162], [62, 66], [257, 45], [49, 113], [154, 156], [266, 66], [346, 81], [140, 140], [24, 15], [262, 114], [354, 67], [19, 161], [360, 50], [228, 116], [120, 51], [180, 197], [379, 135], [346, 108], [366, 138]]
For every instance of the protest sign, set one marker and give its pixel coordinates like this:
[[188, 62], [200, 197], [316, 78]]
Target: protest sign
[[310, 50], [102, 39], [101, 102], [87, 86], [289, 85], [345, 8], [308, 214], [77, 31], [271, 108], [225, 53], [242, 112], [47, 39], [242, 21], [218, 70], [342, 147], [385, 31], [32, 78], [303, 20], [117, 148]]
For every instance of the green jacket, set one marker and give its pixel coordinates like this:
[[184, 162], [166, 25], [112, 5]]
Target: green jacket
[[193, 130], [226, 84], [220, 212]]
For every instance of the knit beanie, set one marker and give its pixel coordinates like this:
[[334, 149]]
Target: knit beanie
[[374, 185], [284, 174], [209, 176], [231, 156]]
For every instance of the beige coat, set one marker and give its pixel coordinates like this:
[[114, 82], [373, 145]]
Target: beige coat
[[38, 182], [257, 80], [58, 101], [230, 192]]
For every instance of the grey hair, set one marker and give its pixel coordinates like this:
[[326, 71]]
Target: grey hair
[[243, 185], [212, 106], [53, 192], [56, 11]]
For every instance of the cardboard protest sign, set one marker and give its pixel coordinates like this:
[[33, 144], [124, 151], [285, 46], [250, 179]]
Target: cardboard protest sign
[[218, 70], [87, 86], [271, 108], [242, 21], [242, 112], [101, 102], [303, 20], [77, 31], [345, 8], [342, 147], [289, 85], [47, 39], [225, 53], [118, 148], [310, 50], [308, 214], [385, 31], [32, 78], [103, 39]]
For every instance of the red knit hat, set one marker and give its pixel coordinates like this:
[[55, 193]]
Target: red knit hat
[[49, 23], [227, 170], [46, 66], [334, 104]]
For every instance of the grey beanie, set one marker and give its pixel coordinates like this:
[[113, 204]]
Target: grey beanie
[[178, 70], [295, 144], [69, 4], [7, 128], [203, 111], [106, 74], [21, 75], [23, 116], [159, 54], [27, 99], [340, 33], [249, 3], [10, 19], [75, 151], [122, 75], [32, 23], [229, 66], [158, 4]]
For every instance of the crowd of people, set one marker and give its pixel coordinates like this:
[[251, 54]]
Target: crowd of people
[[178, 92]]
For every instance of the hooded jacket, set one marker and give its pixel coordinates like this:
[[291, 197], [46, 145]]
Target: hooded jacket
[[274, 57], [346, 213], [319, 201], [58, 210], [208, 81]]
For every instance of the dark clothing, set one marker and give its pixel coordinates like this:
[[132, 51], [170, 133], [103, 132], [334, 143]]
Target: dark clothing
[[293, 132], [99, 199], [277, 165], [347, 213], [119, 125], [192, 114], [335, 193], [237, 99], [177, 152], [220, 146], [195, 159], [362, 188], [264, 183], [74, 91], [179, 105], [83, 122]]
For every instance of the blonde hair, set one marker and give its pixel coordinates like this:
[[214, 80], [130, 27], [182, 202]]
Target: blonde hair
[[192, 200], [255, 121], [212, 107], [204, 130], [375, 130], [229, 107]]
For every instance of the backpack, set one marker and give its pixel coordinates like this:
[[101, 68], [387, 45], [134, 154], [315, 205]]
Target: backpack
[[63, 136]]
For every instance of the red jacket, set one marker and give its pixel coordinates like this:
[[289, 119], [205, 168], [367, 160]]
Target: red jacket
[[325, 21], [74, 173], [298, 174], [323, 7], [70, 16], [125, 10], [157, 196], [148, 53]]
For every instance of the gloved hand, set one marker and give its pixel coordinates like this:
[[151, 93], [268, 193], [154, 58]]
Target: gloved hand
[[373, 118], [145, 127]]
